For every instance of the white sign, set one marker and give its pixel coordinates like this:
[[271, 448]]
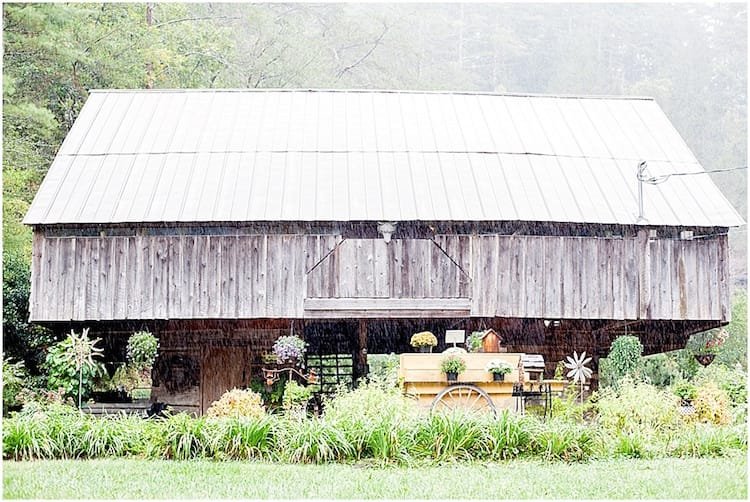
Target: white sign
[[455, 336]]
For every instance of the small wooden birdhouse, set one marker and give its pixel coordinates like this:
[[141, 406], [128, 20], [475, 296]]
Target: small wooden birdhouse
[[491, 341]]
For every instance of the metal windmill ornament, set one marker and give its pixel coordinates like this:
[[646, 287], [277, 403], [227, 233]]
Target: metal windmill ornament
[[578, 370]]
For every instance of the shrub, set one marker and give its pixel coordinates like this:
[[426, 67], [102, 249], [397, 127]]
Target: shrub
[[295, 396], [70, 365], [712, 405], [142, 349], [14, 376], [237, 403], [685, 390], [637, 407], [383, 369]]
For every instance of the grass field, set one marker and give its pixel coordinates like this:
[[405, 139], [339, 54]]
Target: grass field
[[711, 478]]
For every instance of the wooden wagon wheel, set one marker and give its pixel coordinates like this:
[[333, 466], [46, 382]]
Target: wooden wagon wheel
[[464, 397]]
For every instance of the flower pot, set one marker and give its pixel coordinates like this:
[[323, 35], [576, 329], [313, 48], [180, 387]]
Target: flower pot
[[426, 349], [705, 359], [498, 377], [452, 377]]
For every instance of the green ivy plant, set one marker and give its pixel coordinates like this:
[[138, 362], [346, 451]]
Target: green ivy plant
[[142, 349], [624, 357], [71, 366]]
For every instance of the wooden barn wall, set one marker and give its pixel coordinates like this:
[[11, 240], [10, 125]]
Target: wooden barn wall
[[172, 277], [600, 278], [269, 276], [403, 268]]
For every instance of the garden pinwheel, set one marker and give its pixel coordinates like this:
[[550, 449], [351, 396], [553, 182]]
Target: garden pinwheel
[[578, 370]]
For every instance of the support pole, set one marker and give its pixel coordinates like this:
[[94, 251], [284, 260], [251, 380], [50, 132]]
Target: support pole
[[361, 362]]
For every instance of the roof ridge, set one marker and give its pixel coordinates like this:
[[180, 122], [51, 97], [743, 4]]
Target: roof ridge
[[380, 91]]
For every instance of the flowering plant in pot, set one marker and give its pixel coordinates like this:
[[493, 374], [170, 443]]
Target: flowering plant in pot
[[289, 349], [498, 369], [452, 366], [423, 341], [706, 345]]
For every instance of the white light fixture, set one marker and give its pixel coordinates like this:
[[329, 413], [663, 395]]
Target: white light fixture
[[387, 228]]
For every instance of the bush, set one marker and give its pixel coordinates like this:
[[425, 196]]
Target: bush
[[685, 390], [712, 405], [14, 376], [71, 367], [142, 349], [637, 407], [237, 403]]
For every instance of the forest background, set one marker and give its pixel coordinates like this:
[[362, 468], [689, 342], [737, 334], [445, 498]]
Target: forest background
[[691, 57]]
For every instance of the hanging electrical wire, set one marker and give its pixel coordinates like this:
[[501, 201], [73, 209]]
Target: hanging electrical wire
[[656, 180]]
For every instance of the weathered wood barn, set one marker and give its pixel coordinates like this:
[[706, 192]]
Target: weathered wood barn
[[221, 219]]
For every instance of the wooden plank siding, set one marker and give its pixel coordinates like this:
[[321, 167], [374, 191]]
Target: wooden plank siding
[[272, 276]]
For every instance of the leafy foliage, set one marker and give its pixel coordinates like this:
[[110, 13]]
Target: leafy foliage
[[453, 364], [14, 375], [142, 348], [624, 358], [237, 403], [71, 366]]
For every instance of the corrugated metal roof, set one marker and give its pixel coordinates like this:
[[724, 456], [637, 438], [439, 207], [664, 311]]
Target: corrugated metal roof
[[300, 155]]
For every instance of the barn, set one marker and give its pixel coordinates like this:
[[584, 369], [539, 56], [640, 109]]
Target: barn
[[222, 219]]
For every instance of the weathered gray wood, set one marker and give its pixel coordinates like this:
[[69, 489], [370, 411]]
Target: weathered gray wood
[[67, 277], [133, 310], [266, 276], [426, 304], [726, 311], [160, 274], [644, 274]]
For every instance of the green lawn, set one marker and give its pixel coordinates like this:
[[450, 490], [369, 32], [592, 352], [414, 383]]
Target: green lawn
[[133, 479]]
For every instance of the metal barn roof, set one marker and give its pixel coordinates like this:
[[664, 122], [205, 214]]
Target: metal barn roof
[[300, 155]]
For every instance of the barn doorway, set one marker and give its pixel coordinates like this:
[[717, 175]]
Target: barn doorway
[[224, 368]]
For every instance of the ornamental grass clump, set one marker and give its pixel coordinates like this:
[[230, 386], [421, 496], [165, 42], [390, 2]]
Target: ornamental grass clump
[[289, 349], [376, 419], [423, 339], [452, 436]]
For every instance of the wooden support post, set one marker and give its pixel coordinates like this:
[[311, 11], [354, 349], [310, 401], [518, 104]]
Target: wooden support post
[[361, 359]]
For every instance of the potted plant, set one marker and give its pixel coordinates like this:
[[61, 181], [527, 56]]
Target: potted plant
[[474, 341], [706, 345], [498, 369], [452, 366], [289, 349], [686, 391], [423, 341]]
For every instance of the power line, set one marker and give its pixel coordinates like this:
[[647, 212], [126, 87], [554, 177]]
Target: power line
[[655, 180]]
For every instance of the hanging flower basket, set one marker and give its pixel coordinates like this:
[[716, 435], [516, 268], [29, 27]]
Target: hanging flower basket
[[705, 359]]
